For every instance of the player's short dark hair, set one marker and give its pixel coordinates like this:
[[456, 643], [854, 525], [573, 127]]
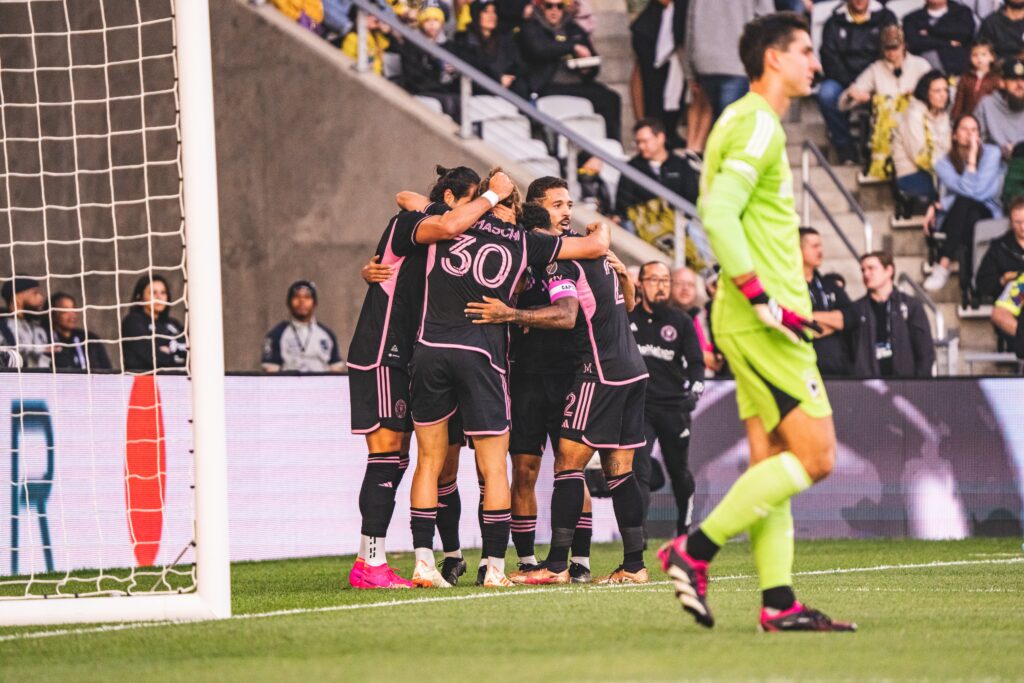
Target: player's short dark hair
[[535, 216], [884, 257], [643, 268], [656, 126], [925, 84], [539, 187], [806, 230], [770, 31], [1015, 204], [460, 180]]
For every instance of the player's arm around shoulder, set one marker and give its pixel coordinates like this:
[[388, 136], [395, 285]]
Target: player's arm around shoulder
[[594, 245], [460, 219]]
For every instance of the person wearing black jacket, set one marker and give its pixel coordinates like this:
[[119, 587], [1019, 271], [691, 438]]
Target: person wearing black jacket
[[549, 40], [1005, 29], [74, 348], [652, 63], [888, 330], [424, 75], [828, 301], [850, 41], [668, 342], [656, 161], [150, 338], [943, 39], [1004, 260], [490, 49]]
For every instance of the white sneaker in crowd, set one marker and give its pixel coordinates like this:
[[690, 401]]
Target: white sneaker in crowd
[[938, 279]]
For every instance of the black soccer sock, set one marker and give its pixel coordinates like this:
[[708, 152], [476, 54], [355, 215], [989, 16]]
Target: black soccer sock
[[629, 513], [582, 535], [700, 547], [449, 511], [495, 532], [403, 465], [377, 493], [480, 518], [566, 508], [422, 522], [780, 598], [684, 503], [524, 534]]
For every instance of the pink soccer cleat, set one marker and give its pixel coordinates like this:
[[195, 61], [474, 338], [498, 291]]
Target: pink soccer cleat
[[355, 575], [801, 618], [381, 576], [689, 578]]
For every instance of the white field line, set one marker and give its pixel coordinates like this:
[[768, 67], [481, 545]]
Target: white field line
[[484, 596]]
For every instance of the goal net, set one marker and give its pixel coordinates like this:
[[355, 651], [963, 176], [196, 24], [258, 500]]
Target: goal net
[[112, 474]]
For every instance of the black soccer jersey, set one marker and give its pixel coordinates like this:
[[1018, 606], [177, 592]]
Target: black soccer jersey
[[392, 310], [605, 346], [539, 351], [486, 260], [668, 341]]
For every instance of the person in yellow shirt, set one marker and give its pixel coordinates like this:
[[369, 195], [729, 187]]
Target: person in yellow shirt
[[377, 43]]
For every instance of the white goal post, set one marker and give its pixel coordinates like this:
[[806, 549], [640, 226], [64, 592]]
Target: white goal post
[[210, 595]]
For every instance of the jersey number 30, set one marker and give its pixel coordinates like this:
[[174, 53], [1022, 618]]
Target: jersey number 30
[[460, 261]]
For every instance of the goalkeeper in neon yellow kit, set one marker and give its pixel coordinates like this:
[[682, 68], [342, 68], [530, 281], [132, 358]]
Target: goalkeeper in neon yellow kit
[[762, 322]]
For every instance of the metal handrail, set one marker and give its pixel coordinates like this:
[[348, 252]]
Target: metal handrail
[[807, 150], [469, 74]]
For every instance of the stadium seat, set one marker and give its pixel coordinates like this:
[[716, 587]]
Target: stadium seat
[[902, 8], [608, 174], [590, 126], [392, 66], [819, 15], [429, 102], [517, 148], [542, 167], [985, 233], [564, 106], [505, 127], [484, 107]]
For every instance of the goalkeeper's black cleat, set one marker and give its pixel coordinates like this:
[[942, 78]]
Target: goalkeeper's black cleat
[[481, 574], [689, 579], [452, 568], [579, 573], [801, 618]]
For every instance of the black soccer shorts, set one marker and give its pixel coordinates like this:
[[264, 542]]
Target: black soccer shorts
[[379, 398], [537, 405], [445, 380], [604, 415]]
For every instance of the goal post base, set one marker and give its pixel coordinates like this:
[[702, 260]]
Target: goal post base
[[100, 610]]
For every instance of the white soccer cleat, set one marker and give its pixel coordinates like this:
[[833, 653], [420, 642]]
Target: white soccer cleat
[[495, 578], [425, 575]]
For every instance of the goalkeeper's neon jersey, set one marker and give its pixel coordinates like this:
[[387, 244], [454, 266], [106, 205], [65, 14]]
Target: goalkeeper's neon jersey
[[747, 207]]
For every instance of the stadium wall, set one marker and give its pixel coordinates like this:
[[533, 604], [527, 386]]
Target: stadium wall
[[928, 459], [310, 154]]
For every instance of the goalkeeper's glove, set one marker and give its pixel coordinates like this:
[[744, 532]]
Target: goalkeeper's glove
[[775, 315]]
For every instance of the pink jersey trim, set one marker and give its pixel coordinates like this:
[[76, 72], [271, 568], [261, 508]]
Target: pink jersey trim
[[443, 345], [589, 306], [367, 431], [434, 422], [613, 445], [503, 431]]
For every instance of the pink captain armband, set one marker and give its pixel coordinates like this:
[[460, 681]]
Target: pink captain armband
[[561, 289]]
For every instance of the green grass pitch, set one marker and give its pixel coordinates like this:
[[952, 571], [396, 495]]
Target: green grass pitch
[[959, 617]]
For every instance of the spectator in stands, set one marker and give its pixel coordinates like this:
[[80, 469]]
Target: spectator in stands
[[1004, 260], [850, 42], [308, 13], [828, 301], [886, 84], [1001, 115], [301, 344], [377, 43], [1006, 315], [713, 30], [981, 8], [150, 338], [977, 82], [640, 211], [684, 291], [512, 14], [74, 348], [968, 192], [656, 33], [490, 50], [1005, 29], [888, 330], [337, 20], [921, 139], [942, 32], [552, 43], [423, 74], [714, 362], [582, 13], [22, 327]]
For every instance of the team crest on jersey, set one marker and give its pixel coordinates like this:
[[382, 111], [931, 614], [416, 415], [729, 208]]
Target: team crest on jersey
[[668, 333], [633, 327], [400, 409], [813, 384]]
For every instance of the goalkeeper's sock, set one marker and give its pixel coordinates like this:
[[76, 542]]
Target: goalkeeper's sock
[[629, 513], [581, 538], [449, 511], [377, 493], [422, 522], [495, 536], [771, 542], [752, 497], [524, 534], [566, 508]]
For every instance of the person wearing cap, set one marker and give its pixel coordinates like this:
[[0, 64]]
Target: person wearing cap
[[301, 344], [22, 326], [422, 73], [1001, 114], [151, 340], [1005, 30]]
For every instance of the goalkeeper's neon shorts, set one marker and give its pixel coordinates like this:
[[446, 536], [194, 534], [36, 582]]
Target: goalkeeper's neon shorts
[[773, 376]]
